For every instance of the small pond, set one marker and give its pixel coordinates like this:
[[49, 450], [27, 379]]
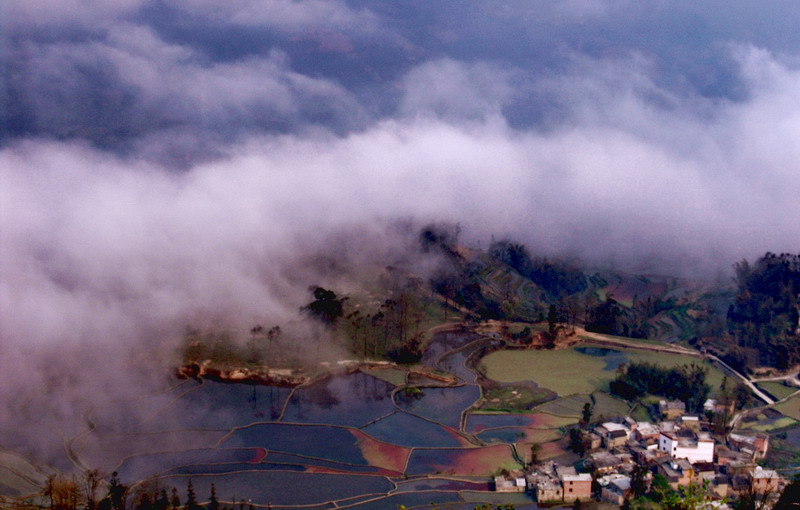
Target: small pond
[[612, 357]]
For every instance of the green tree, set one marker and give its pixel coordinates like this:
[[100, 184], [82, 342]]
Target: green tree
[[191, 497], [576, 441], [790, 499], [535, 449], [326, 307], [162, 502], [213, 502], [552, 321], [117, 492], [586, 414], [639, 478], [175, 500], [691, 497]]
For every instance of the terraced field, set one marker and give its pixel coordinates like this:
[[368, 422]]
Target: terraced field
[[790, 408], [359, 439], [356, 440], [777, 389]]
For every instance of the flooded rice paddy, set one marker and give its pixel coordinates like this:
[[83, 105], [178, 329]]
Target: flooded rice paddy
[[355, 440]]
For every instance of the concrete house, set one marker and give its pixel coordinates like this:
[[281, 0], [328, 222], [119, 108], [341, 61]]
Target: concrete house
[[509, 483], [615, 489], [699, 448], [578, 486], [548, 490], [766, 481], [755, 445], [613, 434]]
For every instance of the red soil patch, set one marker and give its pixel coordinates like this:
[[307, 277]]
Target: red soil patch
[[258, 455], [382, 455]]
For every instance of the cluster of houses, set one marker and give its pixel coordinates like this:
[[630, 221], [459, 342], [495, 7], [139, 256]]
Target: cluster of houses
[[624, 454]]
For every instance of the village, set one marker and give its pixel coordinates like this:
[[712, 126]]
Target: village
[[623, 457]]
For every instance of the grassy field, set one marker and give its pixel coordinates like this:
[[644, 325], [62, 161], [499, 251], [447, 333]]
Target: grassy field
[[568, 371], [790, 408], [606, 405], [571, 406], [603, 406], [770, 425], [391, 375], [777, 389], [639, 413], [512, 398]]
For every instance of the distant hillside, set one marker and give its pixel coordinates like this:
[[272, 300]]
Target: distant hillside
[[751, 322], [388, 311], [764, 318]]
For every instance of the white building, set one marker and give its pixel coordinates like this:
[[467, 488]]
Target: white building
[[699, 449]]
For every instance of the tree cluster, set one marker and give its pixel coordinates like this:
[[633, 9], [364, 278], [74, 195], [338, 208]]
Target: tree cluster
[[327, 307], [72, 492], [610, 318], [764, 318], [686, 383], [556, 279]]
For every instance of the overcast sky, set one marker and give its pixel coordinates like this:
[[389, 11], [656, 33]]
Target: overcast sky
[[166, 159]]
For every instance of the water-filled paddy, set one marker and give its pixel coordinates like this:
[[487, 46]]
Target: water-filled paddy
[[352, 400], [341, 438], [462, 461], [518, 435], [286, 458], [406, 430], [97, 449], [410, 500], [220, 405], [444, 484], [612, 358], [282, 487], [143, 466], [332, 443], [479, 422], [221, 469], [443, 405]]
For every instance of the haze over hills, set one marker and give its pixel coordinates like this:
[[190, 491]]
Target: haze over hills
[[168, 164]]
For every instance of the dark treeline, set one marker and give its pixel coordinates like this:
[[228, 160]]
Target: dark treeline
[[506, 283], [686, 383], [457, 280], [611, 318], [558, 280], [764, 319], [91, 490]]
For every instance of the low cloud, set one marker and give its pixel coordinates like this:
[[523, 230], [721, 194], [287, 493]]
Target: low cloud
[[155, 174]]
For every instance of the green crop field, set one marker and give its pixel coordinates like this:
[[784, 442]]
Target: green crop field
[[770, 425], [568, 371], [571, 406], [606, 405], [511, 398], [777, 389], [391, 375], [790, 408]]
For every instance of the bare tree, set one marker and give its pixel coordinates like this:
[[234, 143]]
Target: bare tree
[[91, 482]]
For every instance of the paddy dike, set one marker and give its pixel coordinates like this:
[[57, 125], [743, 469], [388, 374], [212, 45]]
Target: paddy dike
[[344, 434]]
